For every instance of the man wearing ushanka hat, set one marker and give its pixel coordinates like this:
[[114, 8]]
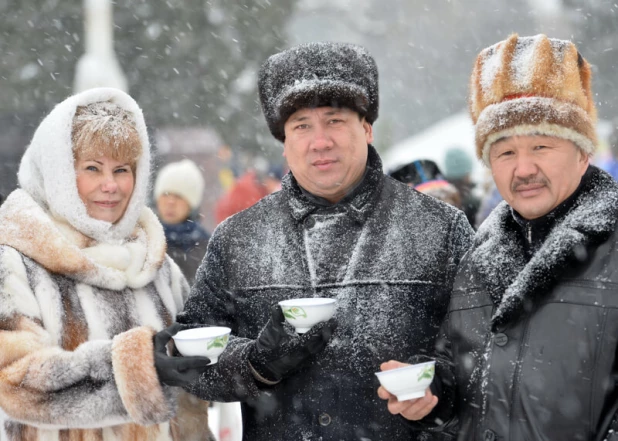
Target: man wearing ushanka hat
[[339, 229], [528, 351]]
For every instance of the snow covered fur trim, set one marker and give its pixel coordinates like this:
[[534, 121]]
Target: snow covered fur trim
[[522, 116], [538, 82], [62, 250], [314, 75], [133, 357]]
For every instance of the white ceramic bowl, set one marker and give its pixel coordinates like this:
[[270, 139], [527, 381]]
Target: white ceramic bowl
[[304, 313], [208, 341], [408, 382]]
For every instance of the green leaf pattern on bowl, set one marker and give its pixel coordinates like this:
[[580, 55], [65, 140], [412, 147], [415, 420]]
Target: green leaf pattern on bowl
[[294, 312], [218, 342], [427, 373]]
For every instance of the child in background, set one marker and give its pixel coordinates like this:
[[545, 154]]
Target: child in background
[[178, 193]]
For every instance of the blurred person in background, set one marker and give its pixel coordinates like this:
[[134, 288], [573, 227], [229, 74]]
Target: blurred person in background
[[529, 347], [488, 202], [178, 193], [257, 182], [339, 228], [610, 163], [417, 172], [457, 168], [425, 176], [442, 190], [85, 285]]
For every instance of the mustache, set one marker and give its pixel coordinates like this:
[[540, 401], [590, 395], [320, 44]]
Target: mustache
[[528, 181]]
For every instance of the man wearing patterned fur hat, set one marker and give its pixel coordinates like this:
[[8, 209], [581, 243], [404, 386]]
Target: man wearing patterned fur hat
[[528, 350], [340, 229]]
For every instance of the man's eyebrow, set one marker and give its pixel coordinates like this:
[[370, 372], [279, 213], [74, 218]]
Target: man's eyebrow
[[333, 112], [299, 118]]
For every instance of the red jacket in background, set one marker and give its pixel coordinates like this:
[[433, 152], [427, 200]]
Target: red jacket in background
[[244, 193]]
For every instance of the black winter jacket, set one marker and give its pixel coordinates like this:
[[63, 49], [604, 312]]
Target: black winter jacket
[[186, 245], [539, 362], [388, 255]]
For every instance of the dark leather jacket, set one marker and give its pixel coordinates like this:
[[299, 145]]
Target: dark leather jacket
[[531, 343]]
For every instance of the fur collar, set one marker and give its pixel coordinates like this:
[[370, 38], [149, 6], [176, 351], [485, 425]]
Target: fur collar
[[61, 249], [361, 203], [498, 251]]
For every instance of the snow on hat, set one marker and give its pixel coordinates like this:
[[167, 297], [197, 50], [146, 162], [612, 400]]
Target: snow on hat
[[47, 169], [314, 75], [182, 178], [532, 86]]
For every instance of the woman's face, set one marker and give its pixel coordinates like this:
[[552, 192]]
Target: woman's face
[[105, 186]]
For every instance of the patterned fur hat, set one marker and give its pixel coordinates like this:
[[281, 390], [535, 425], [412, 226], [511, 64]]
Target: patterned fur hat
[[314, 75], [532, 86]]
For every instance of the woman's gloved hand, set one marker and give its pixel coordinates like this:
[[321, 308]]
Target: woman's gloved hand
[[276, 353], [176, 371]]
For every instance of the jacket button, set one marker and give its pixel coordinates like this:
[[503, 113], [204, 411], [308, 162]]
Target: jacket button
[[501, 339], [309, 222], [489, 435], [324, 419]]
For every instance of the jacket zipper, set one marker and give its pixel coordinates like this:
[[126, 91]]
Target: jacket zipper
[[529, 234]]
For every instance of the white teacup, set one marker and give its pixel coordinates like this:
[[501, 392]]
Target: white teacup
[[207, 342], [304, 313], [408, 382]]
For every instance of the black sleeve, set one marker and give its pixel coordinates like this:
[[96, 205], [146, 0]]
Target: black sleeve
[[443, 416], [210, 302]]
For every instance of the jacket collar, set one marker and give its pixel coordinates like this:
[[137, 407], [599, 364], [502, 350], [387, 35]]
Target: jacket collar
[[535, 231], [498, 253], [359, 204]]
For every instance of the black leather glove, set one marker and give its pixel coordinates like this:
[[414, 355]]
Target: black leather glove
[[276, 353], [176, 371]]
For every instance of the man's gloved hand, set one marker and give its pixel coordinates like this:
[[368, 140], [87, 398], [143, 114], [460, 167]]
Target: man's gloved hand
[[276, 353], [176, 371]]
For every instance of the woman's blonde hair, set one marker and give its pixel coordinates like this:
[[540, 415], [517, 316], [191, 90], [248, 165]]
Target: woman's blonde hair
[[105, 129]]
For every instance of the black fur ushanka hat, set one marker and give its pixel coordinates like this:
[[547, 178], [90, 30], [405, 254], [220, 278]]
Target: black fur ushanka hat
[[315, 75]]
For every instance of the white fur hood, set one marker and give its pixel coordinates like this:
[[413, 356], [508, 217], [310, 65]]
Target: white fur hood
[[61, 249], [47, 171]]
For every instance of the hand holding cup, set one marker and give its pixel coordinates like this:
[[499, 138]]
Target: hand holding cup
[[406, 387], [303, 313]]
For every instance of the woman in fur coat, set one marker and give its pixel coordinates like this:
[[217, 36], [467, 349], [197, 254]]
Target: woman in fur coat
[[84, 285]]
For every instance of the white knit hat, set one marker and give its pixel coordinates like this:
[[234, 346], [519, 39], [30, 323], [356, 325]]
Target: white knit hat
[[182, 178]]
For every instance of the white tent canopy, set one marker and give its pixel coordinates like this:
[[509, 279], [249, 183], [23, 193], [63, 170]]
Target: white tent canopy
[[433, 142]]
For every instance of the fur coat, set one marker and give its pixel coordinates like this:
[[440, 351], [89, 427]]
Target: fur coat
[[76, 326], [80, 300]]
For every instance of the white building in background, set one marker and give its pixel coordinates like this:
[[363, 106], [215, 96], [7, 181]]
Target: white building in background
[[99, 67]]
